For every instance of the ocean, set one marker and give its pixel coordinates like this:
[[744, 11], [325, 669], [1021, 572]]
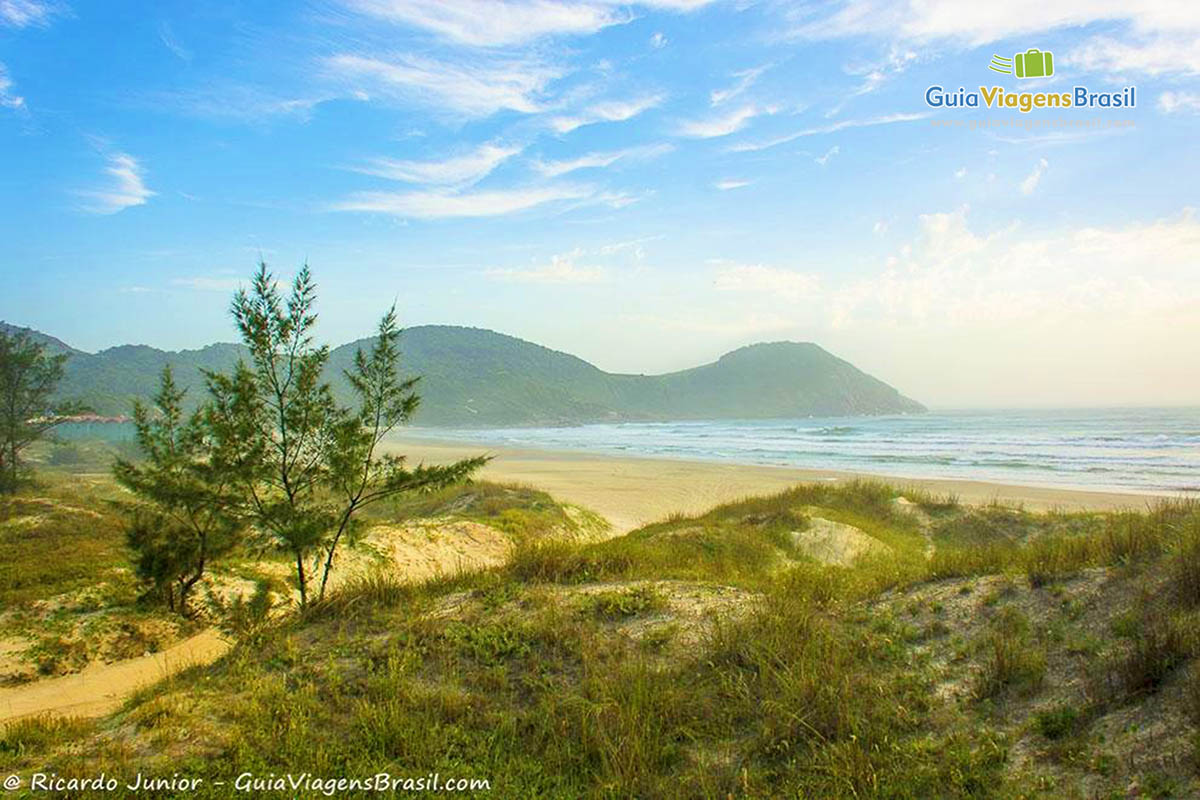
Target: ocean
[[1131, 449]]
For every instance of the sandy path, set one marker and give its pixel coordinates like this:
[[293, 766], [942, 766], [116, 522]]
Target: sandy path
[[631, 492], [101, 688], [420, 552]]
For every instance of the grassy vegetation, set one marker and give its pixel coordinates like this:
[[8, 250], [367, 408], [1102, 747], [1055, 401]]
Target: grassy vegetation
[[711, 656]]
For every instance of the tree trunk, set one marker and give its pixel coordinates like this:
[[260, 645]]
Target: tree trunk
[[300, 579]]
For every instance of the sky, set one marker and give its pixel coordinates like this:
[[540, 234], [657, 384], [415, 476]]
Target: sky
[[646, 185]]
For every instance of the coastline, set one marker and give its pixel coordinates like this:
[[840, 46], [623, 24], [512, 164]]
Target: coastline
[[631, 491]]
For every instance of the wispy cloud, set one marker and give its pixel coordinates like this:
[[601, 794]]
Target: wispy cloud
[[731, 183], [444, 204], [960, 173], [464, 169], [964, 23], [8, 97], [783, 283], [167, 36], [469, 87], [1176, 53], [1170, 102], [607, 111], [553, 169], [1030, 184], [658, 40], [236, 103], [24, 13], [887, 119], [501, 23], [563, 269], [830, 153], [744, 80], [723, 124], [125, 190], [496, 23]]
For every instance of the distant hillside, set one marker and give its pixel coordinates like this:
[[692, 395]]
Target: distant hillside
[[474, 377]]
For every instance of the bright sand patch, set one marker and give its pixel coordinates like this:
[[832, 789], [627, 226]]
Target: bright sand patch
[[836, 543], [101, 688], [631, 492]]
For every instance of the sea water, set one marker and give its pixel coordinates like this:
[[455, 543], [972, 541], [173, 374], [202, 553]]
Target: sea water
[[1142, 449]]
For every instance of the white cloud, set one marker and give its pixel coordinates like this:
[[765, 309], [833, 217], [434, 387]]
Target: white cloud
[[474, 88], [9, 98], [442, 204], [953, 276], [468, 168], [553, 169], [1030, 184], [731, 183], [23, 13], [125, 190], [974, 25], [501, 23], [658, 41], [745, 79], [1170, 102], [886, 119], [561, 269], [607, 111], [830, 153], [960, 173], [724, 124], [880, 227], [1156, 55], [782, 283], [1161, 36], [492, 23]]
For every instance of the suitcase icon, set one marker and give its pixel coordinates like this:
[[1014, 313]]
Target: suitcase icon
[[1034, 63]]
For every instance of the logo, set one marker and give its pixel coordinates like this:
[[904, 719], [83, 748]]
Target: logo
[[1033, 63]]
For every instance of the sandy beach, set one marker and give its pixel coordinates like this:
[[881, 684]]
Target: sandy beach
[[631, 491]]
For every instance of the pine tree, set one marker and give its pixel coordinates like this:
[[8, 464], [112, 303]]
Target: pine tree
[[304, 465], [186, 516], [28, 379]]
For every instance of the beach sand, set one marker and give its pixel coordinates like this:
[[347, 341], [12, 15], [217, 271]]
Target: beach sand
[[631, 492]]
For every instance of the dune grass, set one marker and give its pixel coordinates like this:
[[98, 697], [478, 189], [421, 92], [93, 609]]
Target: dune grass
[[558, 676]]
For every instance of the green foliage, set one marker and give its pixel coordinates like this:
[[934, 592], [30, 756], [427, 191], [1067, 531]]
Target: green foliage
[[1159, 645], [1011, 658], [617, 605], [187, 517], [244, 618], [304, 464], [28, 381], [1058, 722]]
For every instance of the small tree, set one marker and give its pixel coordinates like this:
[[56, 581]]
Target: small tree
[[187, 517], [306, 465], [28, 378]]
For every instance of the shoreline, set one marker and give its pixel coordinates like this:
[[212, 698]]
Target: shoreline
[[631, 491]]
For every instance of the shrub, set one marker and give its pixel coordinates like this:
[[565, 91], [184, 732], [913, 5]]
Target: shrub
[[1058, 722]]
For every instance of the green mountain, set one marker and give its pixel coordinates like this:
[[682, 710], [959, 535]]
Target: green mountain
[[476, 378]]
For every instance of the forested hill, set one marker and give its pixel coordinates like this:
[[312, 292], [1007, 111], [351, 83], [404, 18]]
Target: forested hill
[[474, 377]]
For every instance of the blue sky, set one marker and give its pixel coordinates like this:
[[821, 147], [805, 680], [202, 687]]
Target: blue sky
[[646, 185]]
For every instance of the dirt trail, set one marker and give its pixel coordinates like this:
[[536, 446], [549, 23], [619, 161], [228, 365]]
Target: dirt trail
[[101, 688], [421, 550]]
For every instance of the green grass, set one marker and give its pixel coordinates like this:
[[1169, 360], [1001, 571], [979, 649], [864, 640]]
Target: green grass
[[56, 541], [551, 686]]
